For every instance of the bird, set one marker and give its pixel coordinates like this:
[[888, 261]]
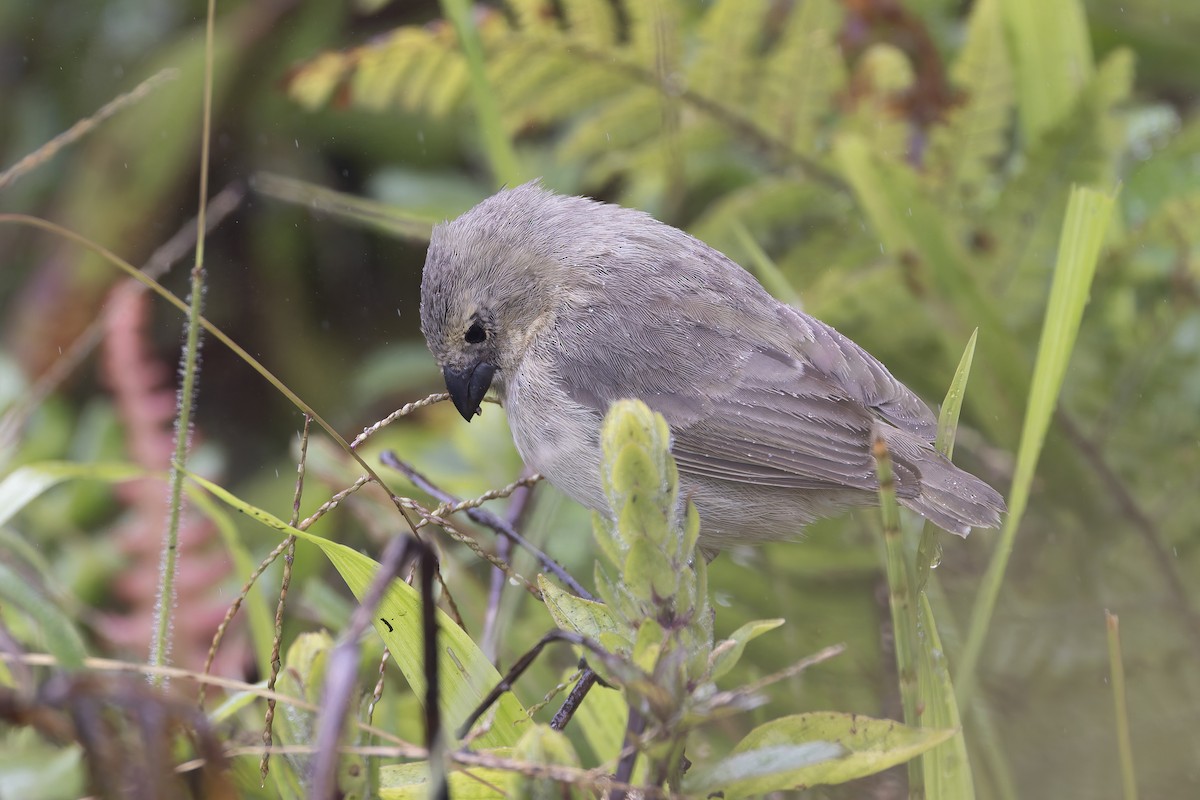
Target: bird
[[563, 305]]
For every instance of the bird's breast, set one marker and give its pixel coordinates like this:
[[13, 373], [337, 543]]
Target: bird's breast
[[555, 436]]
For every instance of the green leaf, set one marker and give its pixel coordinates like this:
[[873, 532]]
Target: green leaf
[[802, 74], [761, 770], [946, 767], [828, 747], [466, 677], [728, 652], [1088, 215], [602, 719], [964, 151], [1053, 58], [24, 484], [573, 613], [929, 551], [411, 781], [542, 745], [57, 629]]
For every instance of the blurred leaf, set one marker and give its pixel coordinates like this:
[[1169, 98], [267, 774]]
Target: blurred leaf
[[1079, 250], [24, 484], [760, 770], [347, 207], [34, 769], [411, 781], [805, 750], [965, 151], [1053, 60], [542, 745], [56, 628], [727, 653]]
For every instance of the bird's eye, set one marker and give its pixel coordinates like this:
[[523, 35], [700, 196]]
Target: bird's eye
[[475, 333]]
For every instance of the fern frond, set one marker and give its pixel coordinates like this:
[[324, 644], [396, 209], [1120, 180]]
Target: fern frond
[[1080, 150], [801, 74], [534, 16], [965, 150], [593, 22], [653, 32], [620, 122], [729, 42]]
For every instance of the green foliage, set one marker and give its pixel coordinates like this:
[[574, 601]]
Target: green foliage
[[466, 677], [658, 621], [798, 137]]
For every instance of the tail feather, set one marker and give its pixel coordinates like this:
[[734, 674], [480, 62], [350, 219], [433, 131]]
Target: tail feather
[[953, 499]]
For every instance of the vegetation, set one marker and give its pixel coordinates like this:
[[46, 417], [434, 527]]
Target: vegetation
[[996, 197]]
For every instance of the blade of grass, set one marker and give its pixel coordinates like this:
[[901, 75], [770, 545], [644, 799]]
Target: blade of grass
[[501, 155], [351, 208], [1124, 740], [929, 551], [944, 771], [1088, 214]]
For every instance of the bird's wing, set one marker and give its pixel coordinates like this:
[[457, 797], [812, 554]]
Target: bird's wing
[[783, 401]]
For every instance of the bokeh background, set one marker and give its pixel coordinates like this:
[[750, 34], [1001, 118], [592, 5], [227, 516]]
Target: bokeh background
[[727, 119]]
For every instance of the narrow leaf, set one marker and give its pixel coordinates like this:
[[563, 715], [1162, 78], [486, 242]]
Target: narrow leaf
[[466, 676], [1088, 215]]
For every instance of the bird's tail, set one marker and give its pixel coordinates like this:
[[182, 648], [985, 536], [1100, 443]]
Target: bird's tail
[[954, 500]]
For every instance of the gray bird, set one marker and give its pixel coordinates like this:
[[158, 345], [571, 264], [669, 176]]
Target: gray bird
[[564, 305]]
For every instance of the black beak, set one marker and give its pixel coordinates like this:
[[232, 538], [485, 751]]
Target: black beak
[[468, 386]]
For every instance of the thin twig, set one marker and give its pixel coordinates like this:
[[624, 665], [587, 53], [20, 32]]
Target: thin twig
[[229, 684], [488, 520], [524, 662], [289, 546], [403, 411], [85, 126], [587, 679], [334, 502]]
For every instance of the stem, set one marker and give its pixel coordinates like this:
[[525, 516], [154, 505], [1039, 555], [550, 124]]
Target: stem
[[160, 646], [1124, 741]]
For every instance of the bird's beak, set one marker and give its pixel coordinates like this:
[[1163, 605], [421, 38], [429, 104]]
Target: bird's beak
[[468, 386]]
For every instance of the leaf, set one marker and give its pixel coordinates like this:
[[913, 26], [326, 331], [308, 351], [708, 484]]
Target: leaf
[[602, 720], [728, 652], [466, 677], [758, 771], [1053, 58], [964, 150], [1088, 215], [929, 551], [573, 613], [729, 36], [21, 486], [946, 767], [802, 74], [1082, 149], [824, 748], [411, 781], [57, 629], [542, 745]]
